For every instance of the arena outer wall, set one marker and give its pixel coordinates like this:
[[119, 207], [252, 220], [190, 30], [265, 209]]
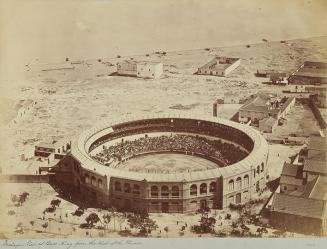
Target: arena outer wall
[[165, 192]]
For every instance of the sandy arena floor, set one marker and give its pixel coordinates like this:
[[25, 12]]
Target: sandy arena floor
[[167, 163]]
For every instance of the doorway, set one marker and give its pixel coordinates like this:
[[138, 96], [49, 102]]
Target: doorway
[[203, 204], [165, 207]]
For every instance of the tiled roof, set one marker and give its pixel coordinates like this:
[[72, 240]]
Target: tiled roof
[[291, 169], [317, 155], [298, 206], [319, 190], [315, 166], [291, 180], [317, 143], [269, 121], [258, 103], [317, 64]]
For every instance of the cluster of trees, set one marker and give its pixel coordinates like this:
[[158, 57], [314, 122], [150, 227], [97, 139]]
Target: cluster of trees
[[142, 223], [206, 225]]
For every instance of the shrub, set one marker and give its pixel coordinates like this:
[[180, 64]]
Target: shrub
[[11, 212], [228, 216], [49, 210]]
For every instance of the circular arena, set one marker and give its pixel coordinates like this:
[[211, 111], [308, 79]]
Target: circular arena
[[167, 164]]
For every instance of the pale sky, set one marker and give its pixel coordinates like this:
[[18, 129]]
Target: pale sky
[[51, 30]]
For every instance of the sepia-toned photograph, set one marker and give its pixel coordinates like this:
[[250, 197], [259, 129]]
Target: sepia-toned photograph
[[163, 119]]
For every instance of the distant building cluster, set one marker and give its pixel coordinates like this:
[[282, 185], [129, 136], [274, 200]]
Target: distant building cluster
[[264, 111], [309, 73], [220, 66], [300, 203], [141, 69]]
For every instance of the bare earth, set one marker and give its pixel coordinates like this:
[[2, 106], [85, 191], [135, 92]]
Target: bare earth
[[70, 101]]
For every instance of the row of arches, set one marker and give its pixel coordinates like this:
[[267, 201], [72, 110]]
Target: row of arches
[[93, 181], [164, 191], [127, 188], [203, 188], [239, 182]]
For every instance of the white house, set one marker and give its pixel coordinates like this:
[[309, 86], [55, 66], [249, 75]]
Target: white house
[[141, 69]]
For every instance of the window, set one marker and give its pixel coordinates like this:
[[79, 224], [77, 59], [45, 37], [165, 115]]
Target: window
[[127, 188], [239, 183], [193, 190], [136, 189], [262, 167], [154, 191], [117, 186], [87, 179], [246, 180], [93, 181], [203, 188], [164, 191], [100, 183], [175, 191], [231, 185], [258, 169], [212, 187]]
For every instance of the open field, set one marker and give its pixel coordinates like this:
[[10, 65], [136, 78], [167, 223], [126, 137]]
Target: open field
[[70, 101]]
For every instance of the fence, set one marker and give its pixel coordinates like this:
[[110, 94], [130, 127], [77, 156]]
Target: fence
[[24, 178]]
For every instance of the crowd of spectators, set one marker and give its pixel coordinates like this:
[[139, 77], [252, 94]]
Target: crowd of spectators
[[177, 125], [224, 153]]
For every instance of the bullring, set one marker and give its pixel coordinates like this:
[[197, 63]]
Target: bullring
[[96, 166]]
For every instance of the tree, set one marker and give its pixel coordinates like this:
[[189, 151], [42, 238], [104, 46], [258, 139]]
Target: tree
[[166, 230], [19, 228], [92, 219], [106, 220], [55, 203], [45, 225], [142, 222], [14, 198], [22, 198], [207, 225]]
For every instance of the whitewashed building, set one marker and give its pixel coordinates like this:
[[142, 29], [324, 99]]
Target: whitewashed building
[[219, 66], [141, 69]]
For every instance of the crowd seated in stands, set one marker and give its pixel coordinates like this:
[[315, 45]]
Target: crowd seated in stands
[[178, 125], [225, 153]]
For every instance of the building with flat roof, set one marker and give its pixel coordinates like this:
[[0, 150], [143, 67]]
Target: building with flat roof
[[141, 69], [301, 202], [219, 66], [309, 73]]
